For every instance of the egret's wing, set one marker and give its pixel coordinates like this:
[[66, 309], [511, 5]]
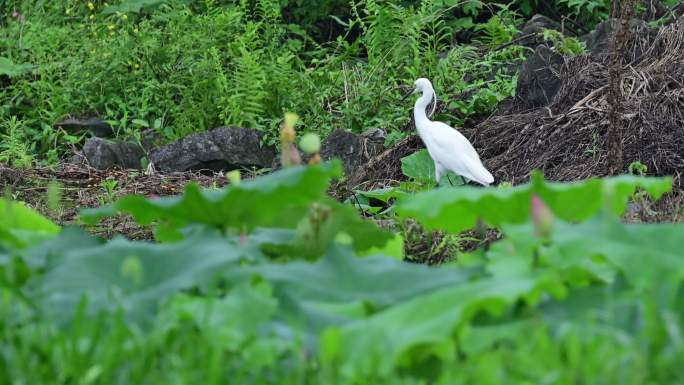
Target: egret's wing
[[453, 140], [456, 153], [477, 170]]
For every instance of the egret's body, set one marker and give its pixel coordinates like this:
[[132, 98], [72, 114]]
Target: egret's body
[[448, 148]]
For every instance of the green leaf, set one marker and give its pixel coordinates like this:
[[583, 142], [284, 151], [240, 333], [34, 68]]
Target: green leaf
[[393, 248], [133, 276], [140, 122], [457, 209], [419, 166], [410, 333], [133, 6], [278, 199], [329, 218], [21, 226], [341, 278], [9, 68], [647, 254], [229, 321]]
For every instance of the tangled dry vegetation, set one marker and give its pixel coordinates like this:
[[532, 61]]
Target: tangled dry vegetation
[[567, 139]]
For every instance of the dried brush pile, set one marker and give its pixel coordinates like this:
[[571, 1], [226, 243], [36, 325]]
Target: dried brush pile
[[567, 139]]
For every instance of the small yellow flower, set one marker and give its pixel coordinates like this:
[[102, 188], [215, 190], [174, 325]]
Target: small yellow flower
[[124, 16], [68, 12], [136, 66], [91, 17], [106, 4], [91, 6], [135, 30], [111, 26]]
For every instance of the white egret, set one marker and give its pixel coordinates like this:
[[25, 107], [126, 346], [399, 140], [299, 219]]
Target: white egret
[[448, 148]]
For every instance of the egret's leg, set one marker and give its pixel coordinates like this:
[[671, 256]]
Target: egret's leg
[[450, 182], [438, 172]]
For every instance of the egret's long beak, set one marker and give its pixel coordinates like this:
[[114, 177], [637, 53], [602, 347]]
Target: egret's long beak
[[409, 94]]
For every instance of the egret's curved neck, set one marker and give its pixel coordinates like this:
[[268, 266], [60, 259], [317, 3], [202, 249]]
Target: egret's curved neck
[[419, 111]]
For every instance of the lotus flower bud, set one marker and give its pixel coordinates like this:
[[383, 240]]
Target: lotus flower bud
[[310, 143], [541, 216], [234, 177]]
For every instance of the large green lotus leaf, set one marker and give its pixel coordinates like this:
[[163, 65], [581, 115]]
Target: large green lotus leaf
[[580, 201], [21, 226], [133, 276], [413, 332], [647, 254], [51, 251], [341, 279], [409, 333], [326, 222], [229, 320], [512, 254], [457, 209], [278, 199]]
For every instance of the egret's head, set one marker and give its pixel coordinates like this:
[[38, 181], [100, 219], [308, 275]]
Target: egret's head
[[420, 85]]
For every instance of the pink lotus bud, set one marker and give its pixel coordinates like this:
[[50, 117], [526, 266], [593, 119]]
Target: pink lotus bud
[[243, 239], [17, 15], [541, 216]]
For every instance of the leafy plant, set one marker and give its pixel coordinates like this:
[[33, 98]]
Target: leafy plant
[[565, 45], [592, 287], [9, 68]]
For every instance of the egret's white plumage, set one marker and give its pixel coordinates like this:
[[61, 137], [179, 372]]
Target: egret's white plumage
[[449, 149]]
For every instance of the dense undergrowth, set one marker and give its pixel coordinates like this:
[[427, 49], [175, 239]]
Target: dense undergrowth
[[269, 281], [187, 66]]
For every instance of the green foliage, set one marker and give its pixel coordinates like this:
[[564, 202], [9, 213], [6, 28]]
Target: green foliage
[[581, 302], [134, 6], [565, 45], [9, 68], [419, 166], [182, 67], [21, 226], [590, 11], [132, 276], [14, 147], [457, 209]]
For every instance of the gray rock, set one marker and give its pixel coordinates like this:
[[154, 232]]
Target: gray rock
[[538, 82], [221, 149], [151, 139], [598, 40], [354, 150], [375, 134], [97, 126], [535, 26], [103, 154]]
